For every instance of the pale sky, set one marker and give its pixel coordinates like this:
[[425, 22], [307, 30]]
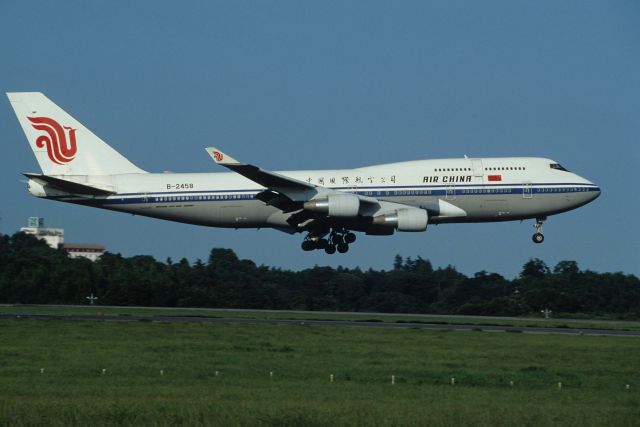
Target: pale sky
[[311, 85]]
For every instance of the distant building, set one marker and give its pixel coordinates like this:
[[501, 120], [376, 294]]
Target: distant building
[[53, 236], [92, 252]]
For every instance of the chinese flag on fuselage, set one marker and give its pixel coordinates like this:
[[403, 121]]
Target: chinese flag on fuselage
[[494, 177]]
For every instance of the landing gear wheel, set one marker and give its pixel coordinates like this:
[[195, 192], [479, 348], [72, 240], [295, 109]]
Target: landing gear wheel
[[308, 245], [343, 247], [336, 239], [330, 249], [538, 237], [349, 237], [322, 244]]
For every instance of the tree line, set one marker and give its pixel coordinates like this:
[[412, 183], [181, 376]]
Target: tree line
[[33, 273]]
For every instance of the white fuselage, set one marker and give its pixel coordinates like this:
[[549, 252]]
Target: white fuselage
[[461, 190]]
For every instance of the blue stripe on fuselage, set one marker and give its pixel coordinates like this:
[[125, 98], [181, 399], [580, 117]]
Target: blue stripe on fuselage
[[381, 192]]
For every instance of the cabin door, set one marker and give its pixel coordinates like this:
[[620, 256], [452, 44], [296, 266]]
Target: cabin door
[[476, 164]]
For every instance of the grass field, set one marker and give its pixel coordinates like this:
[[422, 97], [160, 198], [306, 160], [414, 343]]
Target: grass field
[[220, 375], [154, 313]]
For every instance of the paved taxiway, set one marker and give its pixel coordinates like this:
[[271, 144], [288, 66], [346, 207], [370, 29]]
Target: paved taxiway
[[354, 323]]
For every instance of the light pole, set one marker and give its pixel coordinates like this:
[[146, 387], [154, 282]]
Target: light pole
[[92, 298]]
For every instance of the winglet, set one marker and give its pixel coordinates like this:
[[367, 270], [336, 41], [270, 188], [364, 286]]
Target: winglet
[[221, 158]]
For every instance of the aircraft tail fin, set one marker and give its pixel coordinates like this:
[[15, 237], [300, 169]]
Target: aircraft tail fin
[[61, 144]]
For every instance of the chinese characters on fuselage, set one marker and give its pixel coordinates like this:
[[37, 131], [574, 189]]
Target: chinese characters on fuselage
[[353, 181]]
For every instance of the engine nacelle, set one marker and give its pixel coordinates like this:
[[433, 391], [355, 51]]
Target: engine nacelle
[[336, 205], [404, 220]]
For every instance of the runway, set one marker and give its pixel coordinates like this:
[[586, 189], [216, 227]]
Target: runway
[[347, 323]]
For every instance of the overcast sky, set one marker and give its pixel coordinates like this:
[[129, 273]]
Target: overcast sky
[[310, 85]]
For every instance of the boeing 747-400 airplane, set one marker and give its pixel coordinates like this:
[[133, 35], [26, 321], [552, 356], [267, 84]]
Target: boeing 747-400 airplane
[[327, 205]]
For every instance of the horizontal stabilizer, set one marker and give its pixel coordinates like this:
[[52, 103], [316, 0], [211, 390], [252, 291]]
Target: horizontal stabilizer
[[70, 186]]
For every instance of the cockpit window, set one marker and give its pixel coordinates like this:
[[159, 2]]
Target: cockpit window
[[557, 166]]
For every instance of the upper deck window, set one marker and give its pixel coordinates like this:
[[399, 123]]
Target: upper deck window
[[557, 166]]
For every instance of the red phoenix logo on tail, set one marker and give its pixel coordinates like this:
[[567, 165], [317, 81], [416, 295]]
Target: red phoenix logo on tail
[[218, 156], [60, 149]]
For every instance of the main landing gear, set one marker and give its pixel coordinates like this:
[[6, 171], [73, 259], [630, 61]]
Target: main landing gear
[[339, 239], [538, 237]]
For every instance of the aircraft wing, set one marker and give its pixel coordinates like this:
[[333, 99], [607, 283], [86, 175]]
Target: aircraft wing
[[294, 189], [271, 180], [309, 201]]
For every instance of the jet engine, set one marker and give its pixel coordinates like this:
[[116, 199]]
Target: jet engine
[[337, 205], [404, 220]]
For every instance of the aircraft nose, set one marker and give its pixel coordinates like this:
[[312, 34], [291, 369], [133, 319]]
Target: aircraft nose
[[594, 190]]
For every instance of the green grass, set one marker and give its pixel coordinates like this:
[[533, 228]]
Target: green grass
[[73, 391], [320, 315]]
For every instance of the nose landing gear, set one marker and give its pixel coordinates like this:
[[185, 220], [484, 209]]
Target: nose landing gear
[[339, 239], [538, 237]]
